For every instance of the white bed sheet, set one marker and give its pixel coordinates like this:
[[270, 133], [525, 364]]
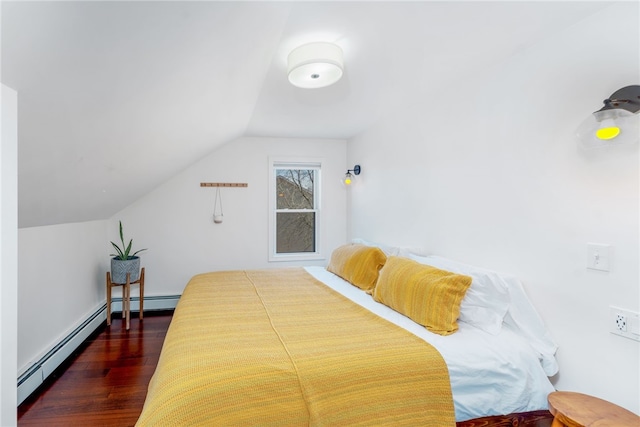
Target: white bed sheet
[[490, 374]]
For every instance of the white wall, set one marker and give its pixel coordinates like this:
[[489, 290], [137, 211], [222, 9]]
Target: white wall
[[8, 256], [62, 267], [489, 173], [175, 222], [62, 272]]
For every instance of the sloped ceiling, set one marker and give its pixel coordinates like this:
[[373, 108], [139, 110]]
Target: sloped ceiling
[[117, 97]]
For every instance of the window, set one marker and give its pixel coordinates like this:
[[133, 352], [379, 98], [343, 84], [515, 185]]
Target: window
[[295, 212]]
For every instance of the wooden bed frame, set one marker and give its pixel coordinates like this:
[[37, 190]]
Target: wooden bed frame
[[522, 419]]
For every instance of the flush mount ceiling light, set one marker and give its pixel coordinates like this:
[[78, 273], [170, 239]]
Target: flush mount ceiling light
[[615, 123], [315, 65], [348, 178]]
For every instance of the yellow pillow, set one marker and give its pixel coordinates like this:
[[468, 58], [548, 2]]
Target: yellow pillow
[[427, 295], [357, 264]]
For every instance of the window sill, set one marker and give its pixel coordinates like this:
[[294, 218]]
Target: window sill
[[296, 257]]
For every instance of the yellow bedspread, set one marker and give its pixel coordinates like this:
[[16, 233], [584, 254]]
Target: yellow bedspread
[[279, 348]]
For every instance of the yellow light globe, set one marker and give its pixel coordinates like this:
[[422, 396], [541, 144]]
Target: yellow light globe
[[607, 133]]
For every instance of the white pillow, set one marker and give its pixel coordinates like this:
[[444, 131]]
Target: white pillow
[[523, 316], [388, 250], [486, 302], [487, 299]]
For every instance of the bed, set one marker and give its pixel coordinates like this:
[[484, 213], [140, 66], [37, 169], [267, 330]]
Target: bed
[[322, 346]]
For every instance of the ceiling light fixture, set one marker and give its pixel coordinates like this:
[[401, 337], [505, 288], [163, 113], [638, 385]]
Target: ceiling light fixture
[[615, 123], [315, 65], [348, 178]]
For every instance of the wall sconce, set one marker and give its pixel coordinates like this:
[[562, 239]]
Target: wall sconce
[[348, 178], [315, 65], [615, 123]]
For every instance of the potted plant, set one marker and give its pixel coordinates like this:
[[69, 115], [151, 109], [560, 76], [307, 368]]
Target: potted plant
[[124, 262]]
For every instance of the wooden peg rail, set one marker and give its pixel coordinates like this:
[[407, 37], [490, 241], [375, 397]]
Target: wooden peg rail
[[224, 184]]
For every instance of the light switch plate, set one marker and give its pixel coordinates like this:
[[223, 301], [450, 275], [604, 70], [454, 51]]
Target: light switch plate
[[598, 256]]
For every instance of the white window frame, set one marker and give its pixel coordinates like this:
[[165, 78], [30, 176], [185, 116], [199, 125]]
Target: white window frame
[[295, 163]]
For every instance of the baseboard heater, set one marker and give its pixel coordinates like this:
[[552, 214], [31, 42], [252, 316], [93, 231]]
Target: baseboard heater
[[37, 373]]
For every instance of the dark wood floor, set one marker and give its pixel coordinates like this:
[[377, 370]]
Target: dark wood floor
[[105, 382]]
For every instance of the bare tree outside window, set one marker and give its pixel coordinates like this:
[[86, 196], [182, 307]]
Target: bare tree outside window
[[295, 210]]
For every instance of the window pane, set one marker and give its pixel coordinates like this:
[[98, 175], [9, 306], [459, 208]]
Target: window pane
[[295, 232], [294, 188]]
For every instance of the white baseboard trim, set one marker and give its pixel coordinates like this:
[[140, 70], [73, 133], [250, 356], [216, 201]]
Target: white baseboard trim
[[35, 375]]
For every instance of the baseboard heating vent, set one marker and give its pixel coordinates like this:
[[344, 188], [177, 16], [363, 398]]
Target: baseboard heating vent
[[35, 375], [165, 302], [39, 371]]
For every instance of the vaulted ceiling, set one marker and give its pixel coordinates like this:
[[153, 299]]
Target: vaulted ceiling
[[117, 97]]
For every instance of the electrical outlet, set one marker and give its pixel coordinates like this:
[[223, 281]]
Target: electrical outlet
[[625, 323], [621, 322]]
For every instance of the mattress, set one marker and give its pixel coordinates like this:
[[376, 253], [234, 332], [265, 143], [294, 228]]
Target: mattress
[[491, 374]]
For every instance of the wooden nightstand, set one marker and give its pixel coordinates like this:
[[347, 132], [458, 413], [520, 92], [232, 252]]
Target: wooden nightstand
[[580, 410]]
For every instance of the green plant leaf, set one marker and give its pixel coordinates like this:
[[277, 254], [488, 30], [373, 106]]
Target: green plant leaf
[[138, 251], [118, 250], [124, 252], [121, 235]]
